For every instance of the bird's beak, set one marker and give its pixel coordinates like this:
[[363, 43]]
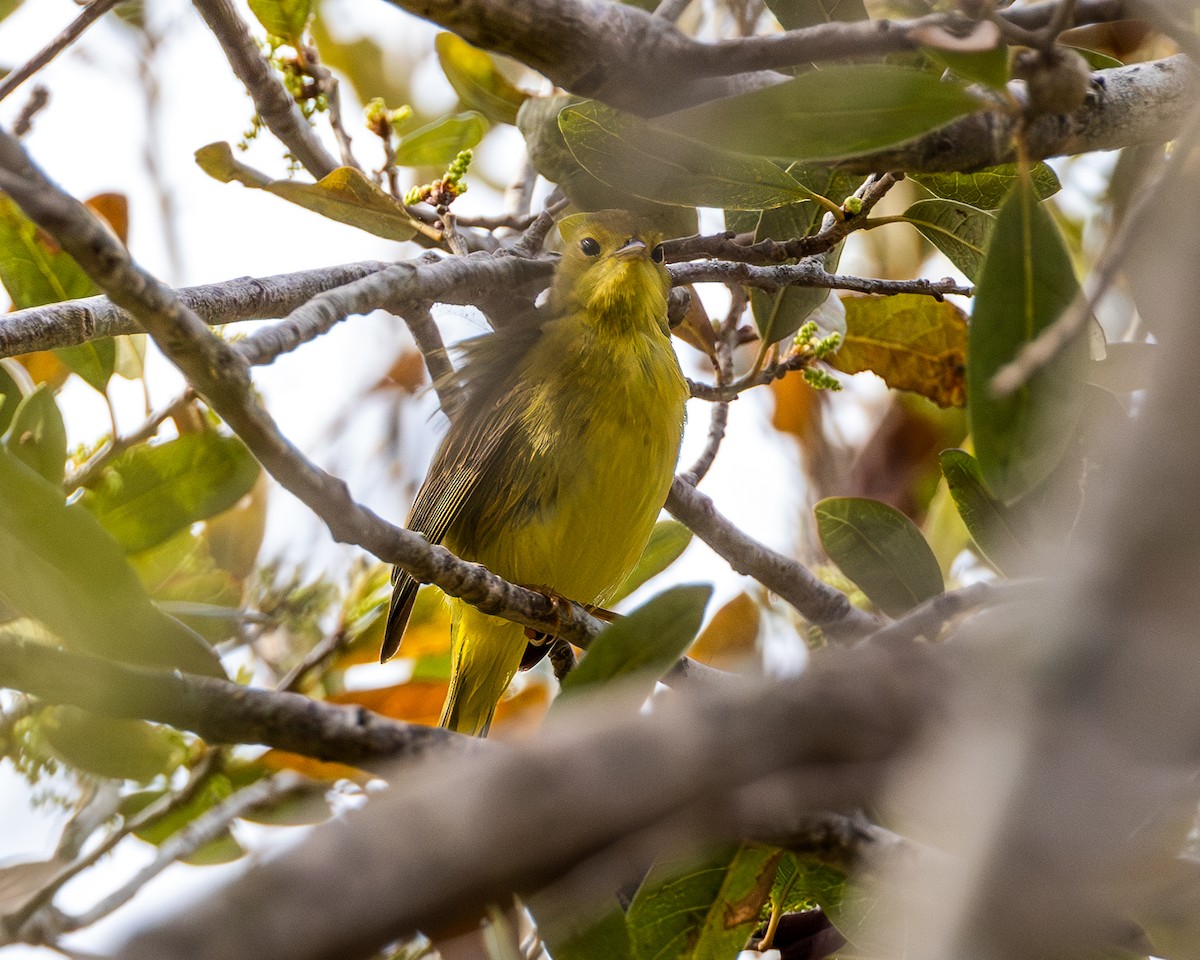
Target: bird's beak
[[632, 248]]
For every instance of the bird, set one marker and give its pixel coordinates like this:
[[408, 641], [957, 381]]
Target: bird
[[560, 453]]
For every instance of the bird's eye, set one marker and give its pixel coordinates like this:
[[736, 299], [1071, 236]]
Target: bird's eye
[[589, 246], [658, 254]]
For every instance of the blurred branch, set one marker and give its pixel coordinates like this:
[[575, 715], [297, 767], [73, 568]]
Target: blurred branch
[[637, 61], [927, 619], [17, 924], [1050, 342], [484, 825], [219, 711], [204, 829], [247, 298], [817, 602], [90, 14], [271, 99]]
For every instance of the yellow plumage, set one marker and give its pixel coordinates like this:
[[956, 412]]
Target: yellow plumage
[[555, 471]]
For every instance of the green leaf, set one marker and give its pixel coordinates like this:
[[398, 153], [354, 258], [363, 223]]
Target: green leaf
[[8, 6], [631, 154], [667, 541], [914, 343], [987, 189], [94, 361], [286, 19], [150, 493], [38, 435], [33, 269], [802, 882], [702, 908], [10, 390], [881, 550], [829, 114], [1026, 281], [780, 314], [438, 143], [473, 75], [646, 642], [989, 67], [960, 231], [58, 566], [797, 14], [345, 195], [991, 524], [1095, 59], [548, 152], [114, 748], [574, 932]]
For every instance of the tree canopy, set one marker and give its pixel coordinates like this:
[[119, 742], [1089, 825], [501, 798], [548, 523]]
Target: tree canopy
[[992, 582]]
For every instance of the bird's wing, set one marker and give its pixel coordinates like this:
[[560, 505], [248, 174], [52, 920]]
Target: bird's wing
[[469, 453]]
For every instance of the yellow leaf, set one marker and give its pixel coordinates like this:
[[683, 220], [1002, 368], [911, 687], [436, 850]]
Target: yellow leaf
[[912, 342], [731, 636], [345, 195]]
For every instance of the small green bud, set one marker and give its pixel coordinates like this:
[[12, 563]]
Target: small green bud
[[853, 206], [827, 346], [820, 380], [807, 331]]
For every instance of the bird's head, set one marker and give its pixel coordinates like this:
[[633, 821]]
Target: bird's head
[[612, 263]]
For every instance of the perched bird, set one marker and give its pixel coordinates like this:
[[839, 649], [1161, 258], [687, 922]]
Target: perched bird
[[561, 452]]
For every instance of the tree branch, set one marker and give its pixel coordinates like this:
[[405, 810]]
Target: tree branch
[[219, 711], [477, 829], [399, 288], [1140, 103], [817, 602], [90, 14], [247, 298], [640, 62], [806, 273], [272, 101]]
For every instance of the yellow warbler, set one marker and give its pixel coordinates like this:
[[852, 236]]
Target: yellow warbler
[[562, 452]]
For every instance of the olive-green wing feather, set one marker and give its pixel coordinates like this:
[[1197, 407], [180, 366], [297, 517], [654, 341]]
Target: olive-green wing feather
[[479, 434]]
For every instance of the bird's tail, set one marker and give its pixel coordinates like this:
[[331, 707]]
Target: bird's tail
[[484, 654]]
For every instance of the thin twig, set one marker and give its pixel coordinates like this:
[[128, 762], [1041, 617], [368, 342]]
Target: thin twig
[[437, 361], [39, 96], [204, 829], [90, 470], [158, 808], [723, 366], [271, 99], [806, 273], [90, 14], [328, 84]]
